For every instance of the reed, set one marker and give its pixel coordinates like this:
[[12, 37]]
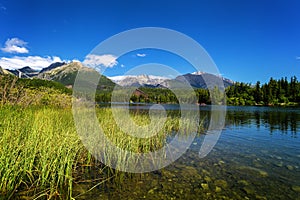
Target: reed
[[42, 156], [39, 151]]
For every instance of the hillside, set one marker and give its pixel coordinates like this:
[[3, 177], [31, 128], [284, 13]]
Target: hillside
[[66, 75], [203, 80], [36, 83], [52, 66], [27, 92], [4, 71]]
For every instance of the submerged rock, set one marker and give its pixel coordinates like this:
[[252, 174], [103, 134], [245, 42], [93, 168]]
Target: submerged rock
[[279, 164], [205, 172], [207, 179], [151, 191], [278, 157], [260, 197], [167, 173], [296, 188], [290, 167], [218, 189], [221, 183], [221, 162], [205, 186], [191, 172], [244, 182], [259, 171], [263, 173], [248, 190], [257, 163]]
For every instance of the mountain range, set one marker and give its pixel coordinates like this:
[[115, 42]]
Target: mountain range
[[139, 80], [65, 73], [25, 72], [196, 80]]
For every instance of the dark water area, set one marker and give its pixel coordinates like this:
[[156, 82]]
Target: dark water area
[[256, 157]]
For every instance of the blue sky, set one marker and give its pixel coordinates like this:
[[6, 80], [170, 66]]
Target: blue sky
[[248, 40]]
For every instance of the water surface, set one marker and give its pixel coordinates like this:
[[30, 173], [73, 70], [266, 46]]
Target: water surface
[[256, 157]]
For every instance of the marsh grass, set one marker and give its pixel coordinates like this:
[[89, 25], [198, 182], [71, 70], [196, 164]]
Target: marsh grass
[[39, 151], [42, 156], [125, 141]]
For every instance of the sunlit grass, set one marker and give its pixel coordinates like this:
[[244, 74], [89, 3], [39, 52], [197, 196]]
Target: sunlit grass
[[123, 140], [39, 150], [42, 156]]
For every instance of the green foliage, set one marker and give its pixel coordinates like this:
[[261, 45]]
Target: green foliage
[[203, 96], [40, 83], [157, 95], [10, 90], [25, 92], [275, 92]]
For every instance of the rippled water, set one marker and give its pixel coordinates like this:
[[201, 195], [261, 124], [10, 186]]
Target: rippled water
[[256, 157]]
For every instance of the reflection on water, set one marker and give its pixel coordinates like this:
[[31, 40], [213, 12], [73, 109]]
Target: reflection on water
[[257, 157], [284, 119]]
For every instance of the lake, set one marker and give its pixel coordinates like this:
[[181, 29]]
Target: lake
[[256, 157]]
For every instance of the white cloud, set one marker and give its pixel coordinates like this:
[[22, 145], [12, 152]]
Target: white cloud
[[75, 60], [36, 62], [15, 45], [140, 55], [99, 61]]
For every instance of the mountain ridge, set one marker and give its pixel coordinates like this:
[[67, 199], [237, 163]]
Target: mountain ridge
[[195, 79], [138, 80], [66, 73], [24, 72], [52, 66]]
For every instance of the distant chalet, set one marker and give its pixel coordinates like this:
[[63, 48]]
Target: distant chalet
[[139, 93]]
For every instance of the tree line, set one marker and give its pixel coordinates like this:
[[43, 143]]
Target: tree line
[[282, 92], [275, 92]]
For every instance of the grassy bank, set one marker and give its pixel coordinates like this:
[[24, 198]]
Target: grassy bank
[[39, 151], [41, 155]]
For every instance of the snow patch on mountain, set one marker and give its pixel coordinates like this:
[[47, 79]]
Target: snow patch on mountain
[[138, 80]]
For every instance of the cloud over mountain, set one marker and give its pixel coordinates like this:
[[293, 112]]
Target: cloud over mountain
[[36, 62], [15, 45], [100, 61]]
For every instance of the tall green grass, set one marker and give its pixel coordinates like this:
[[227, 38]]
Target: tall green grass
[[39, 149], [123, 140], [42, 156]]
